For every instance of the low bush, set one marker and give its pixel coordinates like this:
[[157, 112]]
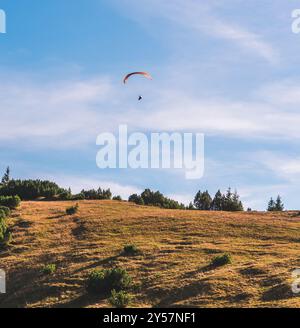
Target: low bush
[[11, 202], [131, 250], [104, 281], [5, 234], [5, 210], [96, 282], [65, 195], [221, 260], [3, 229], [119, 300], [2, 215], [72, 210], [7, 238], [78, 197], [48, 269]]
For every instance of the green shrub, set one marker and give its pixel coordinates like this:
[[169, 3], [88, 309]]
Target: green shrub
[[101, 282], [5, 235], [5, 210], [78, 197], [7, 238], [72, 210], [117, 198], [221, 260], [3, 227], [3, 230], [131, 250], [65, 195], [11, 202], [49, 269], [119, 300], [96, 282], [2, 215]]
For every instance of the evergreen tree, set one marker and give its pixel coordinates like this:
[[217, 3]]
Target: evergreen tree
[[227, 199], [6, 177], [271, 205], [151, 198], [217, 203], [231, 202], [279, 206], [236, 203], [203, 201], [191, 206], [197, 200], [31, 189]]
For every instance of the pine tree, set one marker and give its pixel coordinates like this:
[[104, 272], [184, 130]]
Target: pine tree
[[203, 201], [197, 199], [231, 202], [227, 200], [271, 205], [191, 206], [236, 203], [6, 177], [217, 204], [279, 206]]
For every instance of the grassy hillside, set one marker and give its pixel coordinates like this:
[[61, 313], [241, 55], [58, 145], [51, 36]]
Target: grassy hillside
[[173, 269]]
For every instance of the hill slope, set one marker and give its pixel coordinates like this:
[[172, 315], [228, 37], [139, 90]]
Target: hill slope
[[173, 270]]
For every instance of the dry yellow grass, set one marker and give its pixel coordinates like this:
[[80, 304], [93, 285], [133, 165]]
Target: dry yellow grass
[[173, 270]]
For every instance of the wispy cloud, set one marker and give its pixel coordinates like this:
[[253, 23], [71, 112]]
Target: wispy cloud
[[73, 113], [284, 93], [252, 118], [62, 112], [201, 17], [280, 164]]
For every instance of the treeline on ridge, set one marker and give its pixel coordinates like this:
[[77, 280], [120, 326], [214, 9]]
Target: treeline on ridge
[[151, 198], [221, 202], [12, 191]]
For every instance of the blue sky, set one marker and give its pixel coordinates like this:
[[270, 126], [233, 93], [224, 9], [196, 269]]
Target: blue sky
[[228, 69]]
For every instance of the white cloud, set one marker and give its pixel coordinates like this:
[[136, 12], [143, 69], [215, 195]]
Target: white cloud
[[72, 113], [58, 113], [285, 93], [282, 165], [257, 197], [185, 199], [173, 110], [200, 17]]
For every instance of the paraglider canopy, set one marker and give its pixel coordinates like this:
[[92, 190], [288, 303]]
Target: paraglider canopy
[[145, 74]]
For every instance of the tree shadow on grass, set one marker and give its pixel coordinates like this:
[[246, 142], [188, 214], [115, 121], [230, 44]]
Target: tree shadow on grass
[[180, 294], [203, 269], [82, 301], [59, 216], [21, 290], [106, 261], [278, 292]]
